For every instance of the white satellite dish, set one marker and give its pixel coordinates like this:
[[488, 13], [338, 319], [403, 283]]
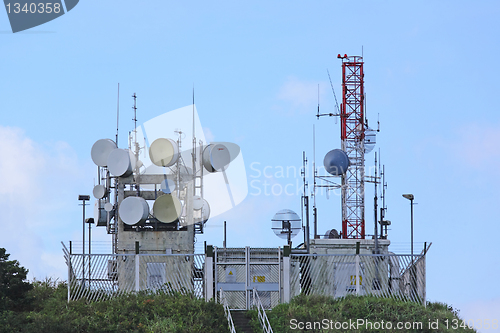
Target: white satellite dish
[[164, 152], [286, 224], [167, 186], [370, 140], [133, 210], [99, 191], [197, 202], [167, 208], [100, 151], [108, 206], [119, 163], [202, 214], [216, 157]]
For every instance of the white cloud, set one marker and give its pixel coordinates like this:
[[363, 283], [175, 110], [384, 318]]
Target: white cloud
[[481, 310], [20, 160], [477, 145], [302, 95], [36, 198]]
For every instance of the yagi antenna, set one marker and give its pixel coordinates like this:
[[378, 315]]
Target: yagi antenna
[[333, 90], [336, 103]]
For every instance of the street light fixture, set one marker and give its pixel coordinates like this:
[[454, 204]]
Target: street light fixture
[[83, 198], [411, 197], [413, 278]]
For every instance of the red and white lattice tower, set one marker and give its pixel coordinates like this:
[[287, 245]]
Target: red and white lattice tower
[[353, 136]]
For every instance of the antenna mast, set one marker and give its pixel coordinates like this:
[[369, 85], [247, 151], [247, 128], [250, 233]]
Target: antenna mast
[[352, 128], [194, 149]]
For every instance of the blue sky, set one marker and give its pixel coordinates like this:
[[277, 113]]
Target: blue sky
[[430, 74]]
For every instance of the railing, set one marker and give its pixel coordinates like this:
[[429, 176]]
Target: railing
[[383, 275], [264, 321], [98, 277], [222, 298]]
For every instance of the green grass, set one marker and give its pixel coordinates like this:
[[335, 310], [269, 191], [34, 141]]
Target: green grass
[[346, 311], [50, 312]]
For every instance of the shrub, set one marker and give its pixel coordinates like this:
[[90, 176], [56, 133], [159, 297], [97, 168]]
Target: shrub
[[13, 287]]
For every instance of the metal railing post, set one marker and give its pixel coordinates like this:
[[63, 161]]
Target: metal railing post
[[137, 267], [286, 279], [69, 277], [357, 277], [209, 278], [247, 276]]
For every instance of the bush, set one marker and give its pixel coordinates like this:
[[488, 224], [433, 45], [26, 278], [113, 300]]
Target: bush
[[13, 287], [50, 312], [313, 309]]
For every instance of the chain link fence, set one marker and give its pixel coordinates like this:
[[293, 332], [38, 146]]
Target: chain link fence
[[383, 275], [102, 276]]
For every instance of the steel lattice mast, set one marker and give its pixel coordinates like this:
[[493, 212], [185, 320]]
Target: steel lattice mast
[[352, 136]]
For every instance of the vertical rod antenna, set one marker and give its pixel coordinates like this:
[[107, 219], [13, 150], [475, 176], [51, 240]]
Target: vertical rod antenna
[[136, 145], [194, 148], [117, 113], [314, 184], [375, 199], [135, 117], [318, 102]]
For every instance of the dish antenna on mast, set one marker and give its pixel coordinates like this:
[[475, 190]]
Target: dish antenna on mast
[[286, 224]]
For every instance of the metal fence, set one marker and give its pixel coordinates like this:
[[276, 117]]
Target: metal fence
[[238, 271], [384, 275], [102, 276]]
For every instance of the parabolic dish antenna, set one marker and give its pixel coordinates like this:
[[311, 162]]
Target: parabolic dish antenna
[[99, 191], [216, 157], [332, 234], [133, 210], [202, 214], [197, 202], [286, 222], [167, 186], [336, 162], [164, 152], [100, 151], [370, 139], [167, 208], [108, 206], [119, 163]]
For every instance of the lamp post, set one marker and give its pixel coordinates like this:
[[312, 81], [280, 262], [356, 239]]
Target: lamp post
[[413, 280], [83, 198], [90, 221], [411, 197]]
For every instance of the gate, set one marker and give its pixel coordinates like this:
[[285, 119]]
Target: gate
[[239, 270]]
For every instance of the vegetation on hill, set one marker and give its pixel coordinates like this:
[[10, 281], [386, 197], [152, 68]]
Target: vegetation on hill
[[42, 307], [13, 285], [361, 314], [50, 312]]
